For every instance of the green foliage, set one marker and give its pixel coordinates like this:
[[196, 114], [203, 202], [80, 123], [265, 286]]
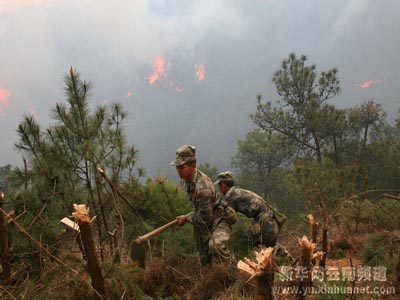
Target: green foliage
[[159, 201], [63, 158], [305, 156], [238, 241], [260, 160], [386, 214], [361, 215], [5, 171], [338, 253], [379, 250], [355, 213], [303, 116], [373, 250], [163, 200], [210, 170], [124, 282]]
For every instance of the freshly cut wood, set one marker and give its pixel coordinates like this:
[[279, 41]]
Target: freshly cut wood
[[304, 266], [81, 213], [262, 271], [242, 266], [70, 224]]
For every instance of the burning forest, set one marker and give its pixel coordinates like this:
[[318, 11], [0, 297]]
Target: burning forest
[[78, 221]]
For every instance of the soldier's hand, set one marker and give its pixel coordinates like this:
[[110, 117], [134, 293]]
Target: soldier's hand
[[181, 220]]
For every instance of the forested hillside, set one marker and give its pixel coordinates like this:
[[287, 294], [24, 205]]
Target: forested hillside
[[333, 172]]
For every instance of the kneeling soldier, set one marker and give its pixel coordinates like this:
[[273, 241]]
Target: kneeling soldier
[[266, 221]]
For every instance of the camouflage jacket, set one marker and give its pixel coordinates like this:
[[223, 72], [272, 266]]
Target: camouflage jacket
[[248, 203], [202, 194]]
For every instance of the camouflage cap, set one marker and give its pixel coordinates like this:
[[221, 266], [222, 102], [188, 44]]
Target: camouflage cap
[[184, 154], [225, 176]]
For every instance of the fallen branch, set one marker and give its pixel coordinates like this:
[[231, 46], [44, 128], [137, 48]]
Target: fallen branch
[[390, 196]]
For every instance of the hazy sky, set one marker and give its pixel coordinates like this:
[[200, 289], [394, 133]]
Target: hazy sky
[[188, 72]]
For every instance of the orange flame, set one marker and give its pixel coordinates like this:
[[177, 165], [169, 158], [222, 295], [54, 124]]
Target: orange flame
[[32, 112], [179, 89], [200, 72], [4, 103], [159, 69], [176, 88], [368, 83]]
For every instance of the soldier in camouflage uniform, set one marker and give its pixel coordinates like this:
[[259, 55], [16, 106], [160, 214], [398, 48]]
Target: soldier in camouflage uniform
[[211, 231], [265, 227]]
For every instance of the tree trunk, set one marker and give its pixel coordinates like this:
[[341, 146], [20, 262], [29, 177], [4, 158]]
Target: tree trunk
[[96, 207], [81, 214], [358, 217], [264, 286], [313, 228], [398, 276], [336, 151], [365, 137], [324, 243], [103, 213], [318, 150]]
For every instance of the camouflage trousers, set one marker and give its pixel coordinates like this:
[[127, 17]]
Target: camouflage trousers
[[211, 243], [264, 231]]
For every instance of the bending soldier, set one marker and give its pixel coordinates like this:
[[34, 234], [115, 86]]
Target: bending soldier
[[266, 221], [211, 231]]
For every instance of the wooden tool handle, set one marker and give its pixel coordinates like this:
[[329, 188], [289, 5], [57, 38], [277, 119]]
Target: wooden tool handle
[[156, 231]]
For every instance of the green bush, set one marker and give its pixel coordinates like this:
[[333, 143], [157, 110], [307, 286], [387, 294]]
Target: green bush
[[379, 250]]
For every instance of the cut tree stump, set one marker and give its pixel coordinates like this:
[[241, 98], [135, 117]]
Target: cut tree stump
[[81, 214], [304, 267], [313, 231], [261, 271]]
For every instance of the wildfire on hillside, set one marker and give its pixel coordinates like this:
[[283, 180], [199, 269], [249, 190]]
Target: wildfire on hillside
[[200, 72], [160, 73], [368, 83], [159, 70], [4, 102], [32, 111]]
